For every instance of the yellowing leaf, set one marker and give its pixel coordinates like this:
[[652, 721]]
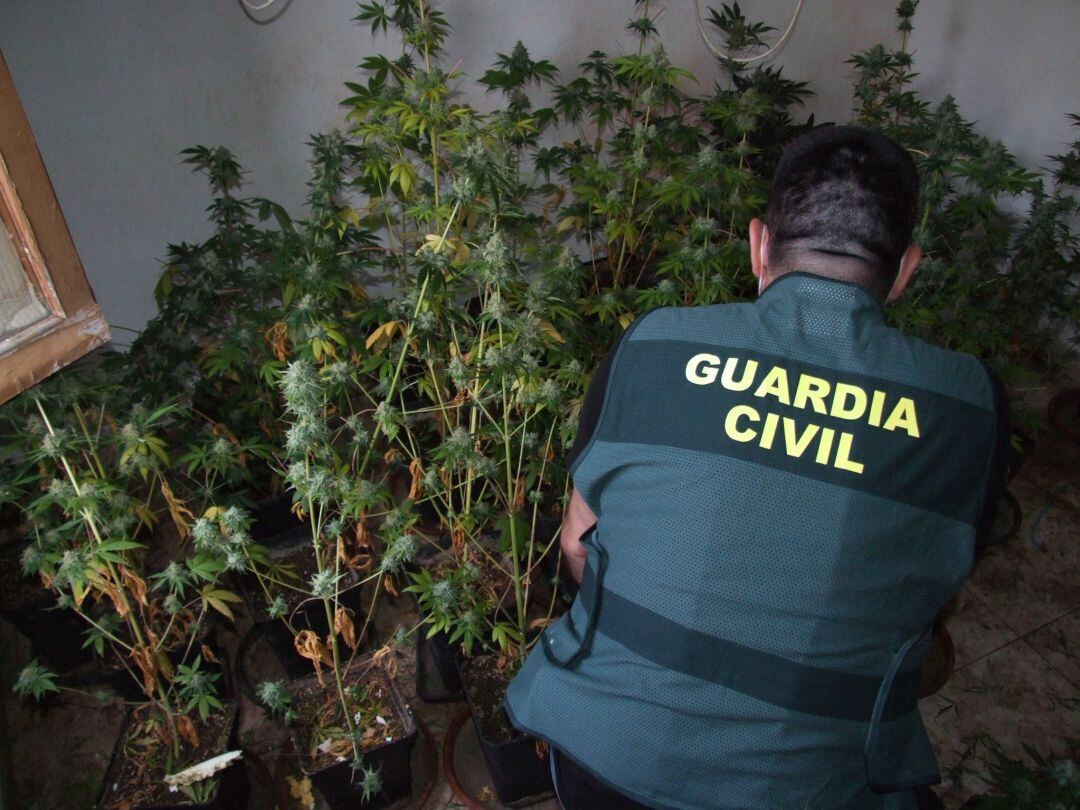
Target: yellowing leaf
[[551, 331], [300, 789], [569, 223], [217, 598], [381, 337], [350, 215]]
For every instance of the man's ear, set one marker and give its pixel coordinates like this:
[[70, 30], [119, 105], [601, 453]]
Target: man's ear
[[908, 264], [759, 251]]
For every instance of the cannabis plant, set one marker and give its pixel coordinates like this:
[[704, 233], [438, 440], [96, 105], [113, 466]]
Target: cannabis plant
[[474, 378], [993, 283], [97, 497], [1032, 783], [660, 185], [207, 344]]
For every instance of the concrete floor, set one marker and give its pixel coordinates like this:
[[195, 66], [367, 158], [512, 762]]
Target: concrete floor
[[1015, 626]]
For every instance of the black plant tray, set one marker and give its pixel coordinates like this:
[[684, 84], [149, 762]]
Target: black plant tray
[[393, 760], [517, 773]]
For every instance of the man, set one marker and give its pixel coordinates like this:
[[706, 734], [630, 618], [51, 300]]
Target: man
[[772, 502]]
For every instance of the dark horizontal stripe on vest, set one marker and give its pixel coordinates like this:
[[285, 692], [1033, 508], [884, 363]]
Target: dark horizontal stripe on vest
[[757, 674], [657, 405]]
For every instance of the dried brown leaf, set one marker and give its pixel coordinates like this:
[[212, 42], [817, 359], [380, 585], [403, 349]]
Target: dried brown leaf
[[276, 336], [135, 584], [309, 646], [182, 517], [187, 730], [385, 658], [146, 661], [416, 488], [344, 627]]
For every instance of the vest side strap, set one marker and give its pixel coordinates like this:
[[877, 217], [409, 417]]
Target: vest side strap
[[755, 673]]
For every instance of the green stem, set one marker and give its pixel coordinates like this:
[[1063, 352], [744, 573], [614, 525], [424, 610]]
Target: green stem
[[515, 552]]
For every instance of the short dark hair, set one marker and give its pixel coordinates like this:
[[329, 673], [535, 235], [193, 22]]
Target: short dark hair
[[847, 191]]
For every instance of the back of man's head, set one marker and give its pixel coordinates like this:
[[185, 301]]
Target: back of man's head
[[844, 198]]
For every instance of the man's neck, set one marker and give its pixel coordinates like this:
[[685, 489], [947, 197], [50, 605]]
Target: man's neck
[[834, 265]]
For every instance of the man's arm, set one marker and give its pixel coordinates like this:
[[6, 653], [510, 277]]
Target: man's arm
[[998, 480], [578, 520]]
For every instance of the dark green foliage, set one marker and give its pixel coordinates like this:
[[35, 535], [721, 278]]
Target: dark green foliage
[[993, 282], [661, 185]]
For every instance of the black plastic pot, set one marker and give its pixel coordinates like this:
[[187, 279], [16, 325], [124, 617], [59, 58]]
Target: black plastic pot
[[1064, 413], [517, 773], [55, 633], [436, 668], [309, 615], [339, 784], [1007, 521], [124, 685], [276, 524], [939, 663], [232, 792], [119, 680]]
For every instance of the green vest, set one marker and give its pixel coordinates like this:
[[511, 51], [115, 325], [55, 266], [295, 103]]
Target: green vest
[[786, 493]]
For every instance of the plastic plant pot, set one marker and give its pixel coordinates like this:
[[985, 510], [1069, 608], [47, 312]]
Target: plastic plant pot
[[277, 525], [436, 668], [337, 782], [232, 790], [1064, 413], [308, 614], [518, 770], [129, 686], [55, 633]]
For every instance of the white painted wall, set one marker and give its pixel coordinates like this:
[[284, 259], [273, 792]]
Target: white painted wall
[[1013, 67], [114, 89]]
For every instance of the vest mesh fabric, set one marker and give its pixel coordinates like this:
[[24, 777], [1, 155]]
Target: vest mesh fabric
[[753, 604]]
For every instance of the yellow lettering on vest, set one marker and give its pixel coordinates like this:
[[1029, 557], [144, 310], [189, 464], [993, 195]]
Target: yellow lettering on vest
[[768, 430], [701, 369], [813, 390], [843, 455], [849, 401], [776, 384], [824, 446], [727, 379], [877, 405], [903, 416], [794, 444], [731, 423]]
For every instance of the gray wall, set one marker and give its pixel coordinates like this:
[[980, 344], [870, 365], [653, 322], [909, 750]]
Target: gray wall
[[115, 88]]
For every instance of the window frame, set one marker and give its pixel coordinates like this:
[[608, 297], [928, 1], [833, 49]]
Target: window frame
[[74, 325]]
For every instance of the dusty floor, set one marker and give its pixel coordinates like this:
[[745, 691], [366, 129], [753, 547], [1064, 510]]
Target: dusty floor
[[1016, 629], [1015, 626]]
